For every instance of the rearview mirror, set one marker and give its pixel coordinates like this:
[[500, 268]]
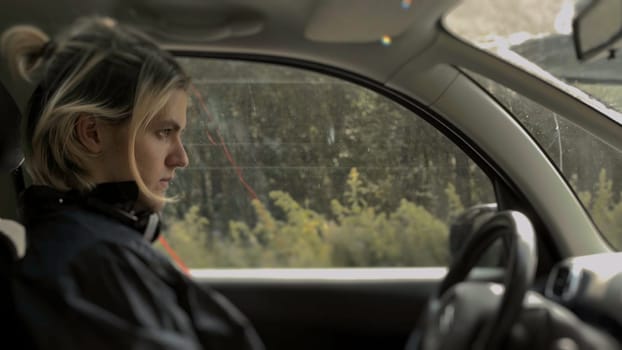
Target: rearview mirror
[[597, 29]]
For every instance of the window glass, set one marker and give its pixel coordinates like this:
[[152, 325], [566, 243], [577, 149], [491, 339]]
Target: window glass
[[290, 168], [591, 166], [537, 37]]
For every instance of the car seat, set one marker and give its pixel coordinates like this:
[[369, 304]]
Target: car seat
[[12, 233], [12, 248]]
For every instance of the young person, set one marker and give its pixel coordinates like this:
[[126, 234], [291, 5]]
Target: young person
[[103, 133]]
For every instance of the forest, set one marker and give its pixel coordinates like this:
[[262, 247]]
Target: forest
[[290, 168]]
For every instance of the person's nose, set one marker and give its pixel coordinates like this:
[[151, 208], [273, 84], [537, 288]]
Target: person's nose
[[178, 158]]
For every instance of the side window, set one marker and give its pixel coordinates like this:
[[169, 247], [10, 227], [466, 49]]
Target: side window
[[591, 167], [290, 168]]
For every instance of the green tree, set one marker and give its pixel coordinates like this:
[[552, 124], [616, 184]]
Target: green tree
[[602, 203], [455, 204], [359, 236], [188, 237]]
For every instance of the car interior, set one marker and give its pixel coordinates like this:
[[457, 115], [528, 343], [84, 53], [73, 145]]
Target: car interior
[[12, 233], [554, 282]]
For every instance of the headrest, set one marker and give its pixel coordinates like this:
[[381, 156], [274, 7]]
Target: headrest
[[13, 235], [10, 118]]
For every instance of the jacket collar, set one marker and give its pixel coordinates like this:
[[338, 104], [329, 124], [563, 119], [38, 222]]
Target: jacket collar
[[38, 199], [115, 200]]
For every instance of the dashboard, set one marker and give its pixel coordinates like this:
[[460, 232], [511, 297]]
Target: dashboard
[[584, 298]]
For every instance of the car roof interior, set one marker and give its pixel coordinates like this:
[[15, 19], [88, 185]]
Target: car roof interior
[[254, 27]]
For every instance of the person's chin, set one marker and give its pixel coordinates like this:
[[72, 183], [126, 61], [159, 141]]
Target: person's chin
[[157, 205], [145, 203]]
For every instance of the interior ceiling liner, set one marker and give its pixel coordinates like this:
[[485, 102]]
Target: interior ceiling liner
[[359, 21], [197, 21]]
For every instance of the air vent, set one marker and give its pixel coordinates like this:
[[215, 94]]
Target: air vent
[[563, 283]]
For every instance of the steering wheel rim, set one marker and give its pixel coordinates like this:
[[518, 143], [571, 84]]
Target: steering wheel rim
[[518, 237]]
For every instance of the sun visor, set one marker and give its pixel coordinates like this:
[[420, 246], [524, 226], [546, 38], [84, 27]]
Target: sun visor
[[359, 21], [191, 20]]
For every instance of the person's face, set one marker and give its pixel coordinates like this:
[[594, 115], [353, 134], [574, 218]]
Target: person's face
[[158, 150]]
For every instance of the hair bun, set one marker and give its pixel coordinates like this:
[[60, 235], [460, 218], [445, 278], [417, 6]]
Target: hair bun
[[25, 47]]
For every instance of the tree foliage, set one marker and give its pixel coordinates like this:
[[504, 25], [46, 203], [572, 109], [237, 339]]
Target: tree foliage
[[358, 236], [606, 213]]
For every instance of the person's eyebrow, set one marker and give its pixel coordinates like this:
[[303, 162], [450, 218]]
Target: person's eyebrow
[[168, 123]]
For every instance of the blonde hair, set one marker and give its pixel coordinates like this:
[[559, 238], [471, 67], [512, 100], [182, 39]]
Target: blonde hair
[[98, 68]]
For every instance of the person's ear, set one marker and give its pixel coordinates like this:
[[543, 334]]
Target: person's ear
[[89, 133]]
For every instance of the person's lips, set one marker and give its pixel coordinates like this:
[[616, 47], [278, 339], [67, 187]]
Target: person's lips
[[165, 182]]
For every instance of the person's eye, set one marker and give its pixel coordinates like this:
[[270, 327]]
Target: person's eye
[[164, 133]]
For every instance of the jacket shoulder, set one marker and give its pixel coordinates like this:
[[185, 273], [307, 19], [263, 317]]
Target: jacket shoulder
[[56, 241]]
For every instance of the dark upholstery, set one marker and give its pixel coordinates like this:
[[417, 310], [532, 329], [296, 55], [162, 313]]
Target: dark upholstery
[[12, 235], [10, 119], [7, 253], [10, 252]]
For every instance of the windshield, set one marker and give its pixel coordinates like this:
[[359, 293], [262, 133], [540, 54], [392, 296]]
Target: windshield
[[537, 36]]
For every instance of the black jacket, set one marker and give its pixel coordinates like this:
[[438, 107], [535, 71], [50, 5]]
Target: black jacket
[[90, 281]]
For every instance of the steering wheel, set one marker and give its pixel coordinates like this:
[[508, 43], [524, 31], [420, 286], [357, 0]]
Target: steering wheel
[[479, 315]]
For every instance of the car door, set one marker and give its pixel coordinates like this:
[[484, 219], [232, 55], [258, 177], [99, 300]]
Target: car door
[[320, 207]]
